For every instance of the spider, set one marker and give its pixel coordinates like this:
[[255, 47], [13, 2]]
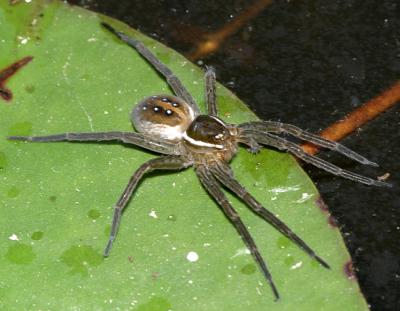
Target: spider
[[174, 127]]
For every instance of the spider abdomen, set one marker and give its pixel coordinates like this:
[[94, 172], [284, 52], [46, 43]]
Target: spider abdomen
[[162, 116]]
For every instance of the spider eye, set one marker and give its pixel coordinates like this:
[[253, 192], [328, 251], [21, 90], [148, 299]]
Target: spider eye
[[162, 116], [220, 135]]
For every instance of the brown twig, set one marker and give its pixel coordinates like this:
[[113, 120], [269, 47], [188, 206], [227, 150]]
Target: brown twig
[[8, 72], [359, 117], [212, 41]]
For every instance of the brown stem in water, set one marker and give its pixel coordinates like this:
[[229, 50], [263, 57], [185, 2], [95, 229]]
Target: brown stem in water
[[213, 41], [359, 117]]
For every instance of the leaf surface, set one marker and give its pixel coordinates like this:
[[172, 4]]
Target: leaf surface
[[56, 199]]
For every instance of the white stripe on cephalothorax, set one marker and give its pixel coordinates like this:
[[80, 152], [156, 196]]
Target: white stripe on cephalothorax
[[192, 114], [218, 120], [200, 143]]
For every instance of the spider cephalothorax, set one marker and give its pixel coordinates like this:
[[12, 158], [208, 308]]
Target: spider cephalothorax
[[173, 126], [209, 137]]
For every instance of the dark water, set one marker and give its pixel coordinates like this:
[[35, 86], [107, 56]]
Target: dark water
[[309, 63]]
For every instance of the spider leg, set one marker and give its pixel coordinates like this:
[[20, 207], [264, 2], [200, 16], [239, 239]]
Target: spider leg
[[282, 144], [210, 80], [254, 146], [132, 138], [225, 175], [213, 188], [278, 127], [172, 80], [161, 163]]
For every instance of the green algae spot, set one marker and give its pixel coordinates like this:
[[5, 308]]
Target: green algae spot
[[20, 254], [52, 198], [3, 160], [248, 269], [30, 88], [80, 258], [315, 264], [171, 218], [84, 77], [38, 235], [155, 304], [20, 129], [13, 192], [283, 242], [94, 214], [289, 261]]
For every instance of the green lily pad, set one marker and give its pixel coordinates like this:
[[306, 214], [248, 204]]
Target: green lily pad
[[56, 199]]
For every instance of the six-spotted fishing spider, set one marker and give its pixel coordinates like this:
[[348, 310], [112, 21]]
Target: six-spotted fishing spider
[[174, 127]]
